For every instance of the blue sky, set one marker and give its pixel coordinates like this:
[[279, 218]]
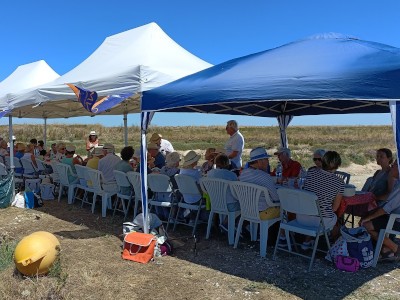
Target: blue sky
[[66, 33]]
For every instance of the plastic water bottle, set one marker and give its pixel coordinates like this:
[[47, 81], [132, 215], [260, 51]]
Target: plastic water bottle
[[279, 169], [303, 176]]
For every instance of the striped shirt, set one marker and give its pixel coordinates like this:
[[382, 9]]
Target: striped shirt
[[260, 177], [326, 186]]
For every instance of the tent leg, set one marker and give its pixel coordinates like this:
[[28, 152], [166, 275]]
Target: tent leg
[[45, 134], [126, 129], [11, 153]]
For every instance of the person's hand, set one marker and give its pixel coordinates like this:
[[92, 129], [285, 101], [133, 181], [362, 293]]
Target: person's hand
[[363, 221]]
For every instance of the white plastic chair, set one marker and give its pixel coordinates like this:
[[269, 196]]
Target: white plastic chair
[[81, 173], [27, 165], [249, 195], [41, 167], [384, 233], [304, 203], [217, 190], [187, 185], [344, 176], [123, 182], [63, 170], [3, 170], [160, 183], [134, 179], [17, 165], [95, 177]]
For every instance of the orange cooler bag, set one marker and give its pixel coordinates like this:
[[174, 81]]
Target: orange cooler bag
[[139, 247]]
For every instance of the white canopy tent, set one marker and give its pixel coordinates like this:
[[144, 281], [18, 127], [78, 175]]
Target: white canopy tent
[[133, 61]]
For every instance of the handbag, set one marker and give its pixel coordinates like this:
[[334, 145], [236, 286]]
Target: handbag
[[346, 263], [139, 247], [338, 249], [359, 245]]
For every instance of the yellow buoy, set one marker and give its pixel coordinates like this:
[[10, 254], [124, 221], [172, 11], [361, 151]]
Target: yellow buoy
[[36, 253]]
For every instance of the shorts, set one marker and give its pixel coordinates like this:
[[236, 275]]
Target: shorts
[[270, 213], [381, 222]]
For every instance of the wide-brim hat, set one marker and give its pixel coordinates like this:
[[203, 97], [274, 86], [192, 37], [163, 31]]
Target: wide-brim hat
[[218, 151], [172, 158], [190, 158], [282, 150], [98, 151], [109, 147], [92, 132], [152, 146], [20, 146], [155, 137], [258, 153], [70, 148]]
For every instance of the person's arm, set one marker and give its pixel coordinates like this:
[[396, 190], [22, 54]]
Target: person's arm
[[233, 154], [379, 212], [77, 160], [34, 161], [336, 202], [88, 148]]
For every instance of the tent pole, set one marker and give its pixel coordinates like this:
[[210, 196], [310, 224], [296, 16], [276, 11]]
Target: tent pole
[[12, 167], [126, 128], [45, 133]]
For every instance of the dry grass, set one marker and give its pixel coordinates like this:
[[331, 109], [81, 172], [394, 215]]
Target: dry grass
[[356, 144]]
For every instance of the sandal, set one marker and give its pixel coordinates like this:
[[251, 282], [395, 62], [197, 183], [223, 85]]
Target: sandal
[[388, 256]]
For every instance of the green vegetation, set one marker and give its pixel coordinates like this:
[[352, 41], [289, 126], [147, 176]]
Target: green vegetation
[[7, 248], [356, 144]]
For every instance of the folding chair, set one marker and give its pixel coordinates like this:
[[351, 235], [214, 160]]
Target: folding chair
[[3, 170], [17, 165], [217, 190], [134, 179], [187, 185], [63, 171], [95, 177], [305, 203], [385, 233], [123, 182], [82, 185], [249, 195], [344, 176], [29, 169], [158, 184]]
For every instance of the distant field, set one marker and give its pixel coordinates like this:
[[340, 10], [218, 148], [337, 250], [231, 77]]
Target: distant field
[[356, 144]]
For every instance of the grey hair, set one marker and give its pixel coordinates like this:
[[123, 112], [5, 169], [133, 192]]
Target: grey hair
[[320, 152], [287, 152], [233, 124]]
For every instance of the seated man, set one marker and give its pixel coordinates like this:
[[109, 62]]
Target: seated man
[[154, 151], [124, 166], [257, 174], [106, 166], [379, 219], [290, 168]]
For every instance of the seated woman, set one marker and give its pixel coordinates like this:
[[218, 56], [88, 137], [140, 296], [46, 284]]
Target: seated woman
[[222, 164], [190, 161], [329, 190], [29, 155], [60, 152], [20, 147], [317, 158], [69, 159], [379, 219], [380, 186], [41, 149], [208, 164], [91, 143], [124, 166]]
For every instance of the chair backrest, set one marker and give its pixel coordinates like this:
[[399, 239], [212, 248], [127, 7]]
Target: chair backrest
[[80, 172], [299, 201], [217, 191], [249, 195], [17, 162], [187, 185], [63, 170], [41, 166], [159, 183], [122, 179], [367, 184], [3, 170], [134, 179], [344, 176], [95, 178], [28, 166]]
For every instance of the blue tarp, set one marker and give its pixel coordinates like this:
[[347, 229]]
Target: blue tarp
[[305, 77]]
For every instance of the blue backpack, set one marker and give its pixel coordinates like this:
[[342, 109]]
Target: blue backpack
[[359, 245]]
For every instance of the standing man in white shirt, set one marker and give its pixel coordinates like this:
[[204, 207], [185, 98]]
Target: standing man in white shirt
[[234, 146], [165, 146]]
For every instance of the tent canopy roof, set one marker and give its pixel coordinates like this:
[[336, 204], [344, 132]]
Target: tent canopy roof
[[27, 76], [133, 61], [305, 77]]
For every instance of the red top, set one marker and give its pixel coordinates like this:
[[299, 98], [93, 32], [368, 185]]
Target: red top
[[291, 170]]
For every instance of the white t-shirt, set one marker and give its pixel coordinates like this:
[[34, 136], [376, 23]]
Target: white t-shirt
[[107, 165], [235, 143], [166, 147]]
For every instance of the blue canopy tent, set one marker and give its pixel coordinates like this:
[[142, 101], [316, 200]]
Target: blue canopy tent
[[324, 74]]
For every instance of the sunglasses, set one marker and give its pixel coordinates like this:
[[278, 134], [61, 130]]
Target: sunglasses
[[317, 159]]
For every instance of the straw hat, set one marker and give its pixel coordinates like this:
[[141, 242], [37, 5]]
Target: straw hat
[[20, 146], [152, 146], [155, 137], [190, 158], [258, 153], [172, 158]]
